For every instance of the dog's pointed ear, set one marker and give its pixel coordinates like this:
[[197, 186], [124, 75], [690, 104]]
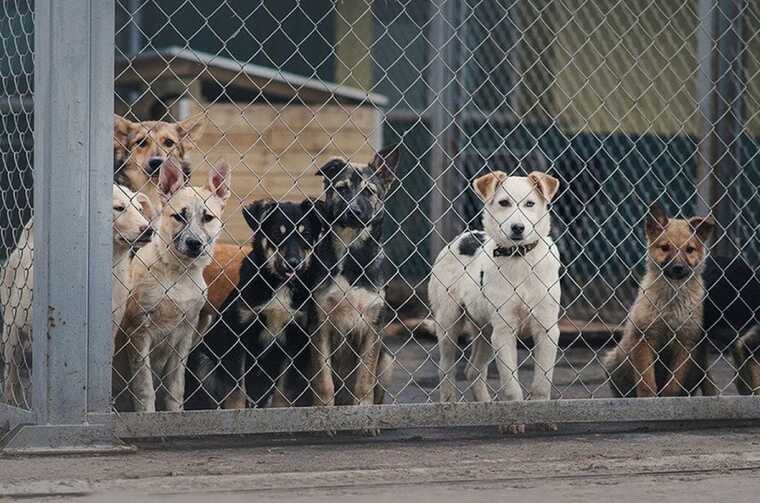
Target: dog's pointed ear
[[122, 128], [170, 178], [657, 220], [219, 179], [486, 185], [546, 185], [703, 227], [256, 212], [147, 207], [191, 129], [385, 162], [331, 169]]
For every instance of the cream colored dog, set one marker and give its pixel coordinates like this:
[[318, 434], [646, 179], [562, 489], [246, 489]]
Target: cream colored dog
[[131, 229], [507, 278], [159, 327]]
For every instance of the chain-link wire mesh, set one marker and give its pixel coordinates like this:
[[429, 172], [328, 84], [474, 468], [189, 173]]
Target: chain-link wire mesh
[[16, 146], [305, 165]]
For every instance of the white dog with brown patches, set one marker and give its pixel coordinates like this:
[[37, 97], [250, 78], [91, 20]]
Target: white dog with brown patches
[[507, 278], [168, 291]]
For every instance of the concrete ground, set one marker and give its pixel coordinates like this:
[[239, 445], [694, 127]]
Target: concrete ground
[[434, 465], [578, 372]]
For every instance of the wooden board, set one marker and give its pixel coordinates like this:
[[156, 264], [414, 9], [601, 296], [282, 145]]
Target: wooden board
[[275, 150]]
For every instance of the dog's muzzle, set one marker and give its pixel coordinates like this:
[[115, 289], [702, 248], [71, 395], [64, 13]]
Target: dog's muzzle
[[146, 235], [677, 271]]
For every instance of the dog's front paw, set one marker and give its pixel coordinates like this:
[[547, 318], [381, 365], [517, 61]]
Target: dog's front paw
[[512, 429], [370, 432]]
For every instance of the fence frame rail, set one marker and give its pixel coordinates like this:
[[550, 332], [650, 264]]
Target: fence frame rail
[[72, 347]]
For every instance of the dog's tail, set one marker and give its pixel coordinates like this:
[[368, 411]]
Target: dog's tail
[[746, 355]]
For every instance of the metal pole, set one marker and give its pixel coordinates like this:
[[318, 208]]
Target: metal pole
[[441, 77], [73, 105], [705, 87], [729, 119]]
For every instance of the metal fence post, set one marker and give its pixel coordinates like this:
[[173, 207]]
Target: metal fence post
[[729, 118], [73, 103], [441, 80]]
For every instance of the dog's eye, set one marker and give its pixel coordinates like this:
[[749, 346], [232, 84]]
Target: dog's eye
[[169, 143], [529, 204], [665, 248], [178, 217], [207, 217], [119, 208], [142, 142], [504, 203], [690, 249]]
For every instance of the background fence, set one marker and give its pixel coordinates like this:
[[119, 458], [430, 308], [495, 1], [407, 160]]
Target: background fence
[[624, 102]]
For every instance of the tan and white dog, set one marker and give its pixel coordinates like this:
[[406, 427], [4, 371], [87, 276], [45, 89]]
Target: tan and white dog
[[507, 278], [131, 229], [159, 327]]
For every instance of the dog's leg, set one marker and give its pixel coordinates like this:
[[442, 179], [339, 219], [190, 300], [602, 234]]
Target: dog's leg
[[747, 364], [366, 369], [679, 369], [642, 361], [504, 340], [174, 380], [448, 323], [141, 383], [322, 384], [706, 381], [545, 345], [13, 356], [477, 368], [385, 363]]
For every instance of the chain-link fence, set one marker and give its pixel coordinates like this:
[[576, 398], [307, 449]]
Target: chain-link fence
[[289, 176]]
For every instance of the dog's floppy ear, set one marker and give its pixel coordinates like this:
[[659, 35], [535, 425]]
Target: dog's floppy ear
[[147, 207], [486, 185], [546, 185], [219, 178], [315, 208], [191, 129], [170, 178], [385, 162], [122, 128], [703, 227], [657, 220], [256, 212], [331, 169]]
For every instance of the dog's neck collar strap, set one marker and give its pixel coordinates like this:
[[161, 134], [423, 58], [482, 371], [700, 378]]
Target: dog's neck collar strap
[[513, 251]]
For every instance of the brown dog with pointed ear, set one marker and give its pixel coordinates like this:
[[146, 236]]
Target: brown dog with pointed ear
[[140, 148], [663, 351]]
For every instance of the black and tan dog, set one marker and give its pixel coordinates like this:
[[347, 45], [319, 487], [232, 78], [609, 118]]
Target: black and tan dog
[[262, 332], [663, 351], [349, 363]]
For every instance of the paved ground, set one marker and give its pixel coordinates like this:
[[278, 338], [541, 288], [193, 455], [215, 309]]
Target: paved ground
[[452, 466], [578, 373]]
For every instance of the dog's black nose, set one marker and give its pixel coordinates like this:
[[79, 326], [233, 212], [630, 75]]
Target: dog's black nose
[[194, 246], [678, 270], [146, 232], [517, 229], [154, 164]]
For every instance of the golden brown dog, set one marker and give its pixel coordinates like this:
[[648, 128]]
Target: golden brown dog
[[140, 148], [662, 352]]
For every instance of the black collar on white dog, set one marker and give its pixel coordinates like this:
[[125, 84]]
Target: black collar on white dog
[[514, 251]]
